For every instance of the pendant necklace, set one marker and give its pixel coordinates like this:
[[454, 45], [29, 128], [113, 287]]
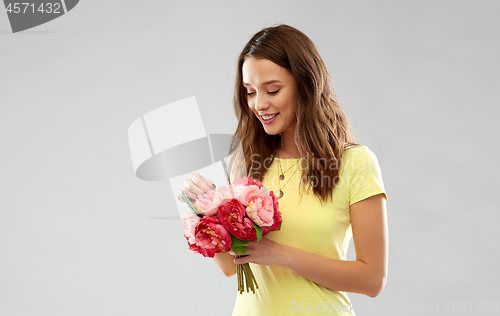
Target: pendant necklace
[[282, 176]]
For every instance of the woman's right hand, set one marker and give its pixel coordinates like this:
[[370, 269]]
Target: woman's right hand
[[195, 185]]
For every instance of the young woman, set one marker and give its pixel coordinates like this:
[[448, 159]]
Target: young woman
[[296, 140]]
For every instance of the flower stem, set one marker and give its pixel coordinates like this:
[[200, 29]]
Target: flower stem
[[246, 278]]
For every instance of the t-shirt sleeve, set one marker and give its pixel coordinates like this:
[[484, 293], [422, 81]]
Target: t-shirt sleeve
[[362, 171]]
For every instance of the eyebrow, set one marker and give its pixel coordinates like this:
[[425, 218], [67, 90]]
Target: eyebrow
[[264, 84]]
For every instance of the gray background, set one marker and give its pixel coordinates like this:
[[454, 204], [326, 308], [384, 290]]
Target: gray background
[[81, 235]]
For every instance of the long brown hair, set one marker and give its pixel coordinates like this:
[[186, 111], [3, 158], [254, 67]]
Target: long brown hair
[[322, 132]]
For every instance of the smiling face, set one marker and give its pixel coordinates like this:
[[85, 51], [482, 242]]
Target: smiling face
[[271, 94]]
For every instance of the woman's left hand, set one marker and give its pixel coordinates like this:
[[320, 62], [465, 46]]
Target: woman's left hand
[[265, 252]]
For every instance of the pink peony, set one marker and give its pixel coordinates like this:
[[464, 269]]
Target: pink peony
[[211, 235], [260, 205], [190, 220], [241, 191], [246, 181], [232, 217], [207, 203], [226, 192]]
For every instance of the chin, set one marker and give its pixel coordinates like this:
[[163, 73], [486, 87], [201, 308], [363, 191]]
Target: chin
[[273, 132]]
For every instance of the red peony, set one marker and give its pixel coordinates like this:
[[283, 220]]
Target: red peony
[[204, 252], [277, 215], [211, 235], [232, 216]]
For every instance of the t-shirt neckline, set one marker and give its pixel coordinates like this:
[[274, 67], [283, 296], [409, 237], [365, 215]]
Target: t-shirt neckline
[[285, 158]]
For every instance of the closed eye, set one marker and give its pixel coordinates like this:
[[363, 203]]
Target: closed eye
[[250, 93], [274, 92]]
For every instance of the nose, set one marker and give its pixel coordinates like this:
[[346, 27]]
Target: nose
[[261, 102]]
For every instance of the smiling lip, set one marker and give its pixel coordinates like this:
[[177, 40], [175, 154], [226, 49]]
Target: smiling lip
[[270, 120]]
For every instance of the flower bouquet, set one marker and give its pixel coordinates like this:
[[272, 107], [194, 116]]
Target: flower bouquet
[[226, 220]]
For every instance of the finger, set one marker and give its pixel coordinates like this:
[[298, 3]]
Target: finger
[[179, 197], [242, 260], [202, 183], [191, 189]]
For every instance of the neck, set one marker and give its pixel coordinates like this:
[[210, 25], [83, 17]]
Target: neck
[[288, 148]]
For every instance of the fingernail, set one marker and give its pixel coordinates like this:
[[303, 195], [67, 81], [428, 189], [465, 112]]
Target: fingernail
[[190, 199], [213, 184]]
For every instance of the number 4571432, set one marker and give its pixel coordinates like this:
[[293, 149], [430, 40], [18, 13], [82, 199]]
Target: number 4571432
[[26, 7]]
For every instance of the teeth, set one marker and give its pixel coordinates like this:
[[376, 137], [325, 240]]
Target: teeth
[[268, 117]]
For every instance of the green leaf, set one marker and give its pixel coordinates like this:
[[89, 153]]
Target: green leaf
[[238, 242], [258, 229], [240, 250], [238, 245], [188, 202]]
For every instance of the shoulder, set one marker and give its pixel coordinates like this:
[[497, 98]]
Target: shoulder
[[358, 151], [359, 157], [361, 169]]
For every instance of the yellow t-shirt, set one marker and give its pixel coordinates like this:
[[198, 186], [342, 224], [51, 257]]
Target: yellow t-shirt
[[324, 230]]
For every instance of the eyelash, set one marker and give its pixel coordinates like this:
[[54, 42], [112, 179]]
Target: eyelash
[[270, 92]]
